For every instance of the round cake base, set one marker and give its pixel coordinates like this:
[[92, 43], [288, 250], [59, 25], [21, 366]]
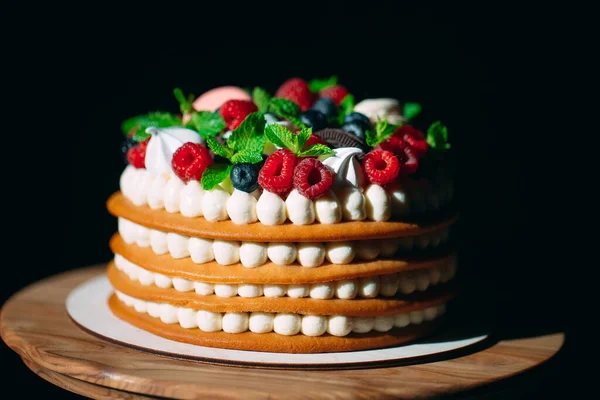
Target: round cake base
[[88, 306]]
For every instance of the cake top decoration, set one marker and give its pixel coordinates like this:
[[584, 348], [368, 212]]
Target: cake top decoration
[[299, 138]]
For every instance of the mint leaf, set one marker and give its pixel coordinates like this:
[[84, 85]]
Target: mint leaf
[[246, 156], [316, 85], [185, 103], [214, 175], [287, 109], [261, 98], [411, 110], [383, 130], [249, 135], [218, 148], [316, 150], [207, 124], [284, 107], [437, 136], [301, 138], [346, 107], [158, 119], [280, 136], [140, 136], [297, 122]]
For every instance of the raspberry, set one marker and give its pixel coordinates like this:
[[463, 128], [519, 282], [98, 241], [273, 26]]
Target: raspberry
[[277, 173], [381, 166], [297, 90], [335, 93], [407, 155], [312, 179], [190, 160], [235, 111], [136, 155], [414, 137]]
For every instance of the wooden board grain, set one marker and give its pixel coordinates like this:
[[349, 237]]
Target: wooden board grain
[[82, 387], [35, 324]]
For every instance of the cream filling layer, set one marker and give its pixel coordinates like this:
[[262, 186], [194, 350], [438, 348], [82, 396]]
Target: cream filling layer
[[375, 203], [280, 323], [253, 254], [368, 287]]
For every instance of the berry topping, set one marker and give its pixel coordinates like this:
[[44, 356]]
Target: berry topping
[[235, 111], [337, 138], [355, 128], [190, 160], [335, 93], [277, 173], [125, 146], [414, 137], [314, 119], [407, 156], [296, 90], [136, 155], [326, 106], [360, 119], [381, 166], [312, 179], [244, 177]]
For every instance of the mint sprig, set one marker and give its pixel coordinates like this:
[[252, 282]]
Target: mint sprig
[[383, 130], [437, 136], [346, 107], [316, 85], [139, 123], [287, 109], [249, 136], [245, 145], [280, 136], [411, 110], [185, 103], [316, 149], [214, 175], [219, 149], [261, 98], [206, 123]]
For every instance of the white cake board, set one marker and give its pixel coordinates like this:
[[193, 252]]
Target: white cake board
[[87, 305]]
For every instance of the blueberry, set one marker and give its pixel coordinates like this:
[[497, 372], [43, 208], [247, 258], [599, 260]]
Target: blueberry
[[355, 128], [314, 119], [125, 146], [326, 106], [244, 177], [359, 118]]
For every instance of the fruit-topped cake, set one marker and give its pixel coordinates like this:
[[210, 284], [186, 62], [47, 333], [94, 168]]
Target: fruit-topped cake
[[301, 221]]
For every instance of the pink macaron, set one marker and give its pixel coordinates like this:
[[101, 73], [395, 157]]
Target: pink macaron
[[214, 98]]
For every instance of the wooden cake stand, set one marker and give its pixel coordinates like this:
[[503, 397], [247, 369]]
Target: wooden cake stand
[[35, 324]]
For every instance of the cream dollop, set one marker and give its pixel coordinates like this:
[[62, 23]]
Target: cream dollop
[[300, 210], [348, 171], [384, 108], [270, 209], [241, 207], [353, 204], [163, 143]]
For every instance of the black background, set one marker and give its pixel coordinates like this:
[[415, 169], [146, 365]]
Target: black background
[[490, 72]]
